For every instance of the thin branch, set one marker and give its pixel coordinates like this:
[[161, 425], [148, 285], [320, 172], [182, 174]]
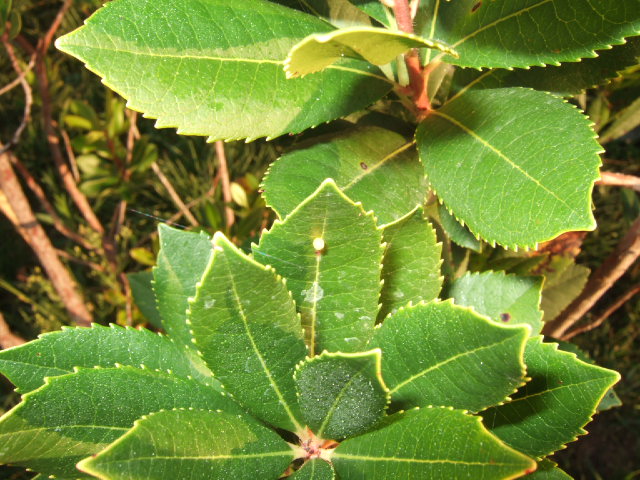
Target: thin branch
[[8, 339], [606, 314], [70, 155], [18, 80], [623, 257], [226, 185], [184, 210], [619, 180]]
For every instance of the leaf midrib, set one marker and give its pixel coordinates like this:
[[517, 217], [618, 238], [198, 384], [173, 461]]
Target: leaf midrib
[[368, 458]]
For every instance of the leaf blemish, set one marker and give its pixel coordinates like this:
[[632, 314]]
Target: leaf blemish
[[505, 317], [476, 7], [364, 166]]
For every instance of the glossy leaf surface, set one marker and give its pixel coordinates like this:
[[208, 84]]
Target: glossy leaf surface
[[371, 165], [217, 69], [457, 233], [245, 326], [547, 470], [442, 354], [509, 299], [341, 395], [315, 469], [469, 147], [411, 263], [429, 443], [57, 353], [336, 288], [551, 409], [193, 444], [61, 423]]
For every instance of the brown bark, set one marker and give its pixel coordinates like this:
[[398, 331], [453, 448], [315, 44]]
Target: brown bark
[[226, 185], [8, 339]]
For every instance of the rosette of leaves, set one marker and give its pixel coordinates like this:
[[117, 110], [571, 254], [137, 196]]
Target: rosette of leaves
[[279, 364], [501, 148]]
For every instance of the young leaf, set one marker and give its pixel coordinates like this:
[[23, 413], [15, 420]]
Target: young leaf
[[547, 470], [57, 353], [429, 443], [62, 422], [540, 149], [245, 325], [192, 444], [510, 299], [442, 354], [341, 395], [550, 410], [523, 33], [375, 45], [566, 80], [372, 165], [217, 68], [182, 259], [329, 251], [411, 264], [315, 469]]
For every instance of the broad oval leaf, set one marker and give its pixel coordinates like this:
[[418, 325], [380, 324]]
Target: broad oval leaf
[[58, 353], [411, 263], [429, 443], [372, 165], [61, 423], [442, 354], [341, 395], [192, 444], [341, 13], [375, 45], [315, 469], [551, 409], [217, 69], [511, 299], [523, 33], [539, 150], [246, 328], [548, 470], [335, 287]]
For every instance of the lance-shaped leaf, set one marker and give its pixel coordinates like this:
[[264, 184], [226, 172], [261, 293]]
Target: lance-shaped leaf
[[550, 410], [375, 45], [62, 422], [547, 470], [457, 232], [565, 80], [372, 165], [329, 251], [523, 33], [429, 443], [57, 353], [341, 395], [442, 354], [192, 444], [511, 299], [217, 70], [540, 149], [246, 328], [411, 265], [182, 259], [315, 469]]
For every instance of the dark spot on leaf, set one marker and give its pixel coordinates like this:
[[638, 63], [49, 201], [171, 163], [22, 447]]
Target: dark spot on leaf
[[476, 7], [364, 166], [505, 317], [556, 50]]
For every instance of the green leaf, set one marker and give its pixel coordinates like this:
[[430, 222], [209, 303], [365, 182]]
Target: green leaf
[[58, 353], [245, 326], [217, 68], [566, 80], [547, 470], [458, 233], [540, 149], [341, 395], [192, 444], [142, 289], [624, 121], [524, 33], [341, 13], [411, 264], [336, 287], [564, 280], [374, 166], [62, 422], [429, 443], [315, 469], [442, 354], [550, 410], [375, 45], [511, 299], [182, 259]]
